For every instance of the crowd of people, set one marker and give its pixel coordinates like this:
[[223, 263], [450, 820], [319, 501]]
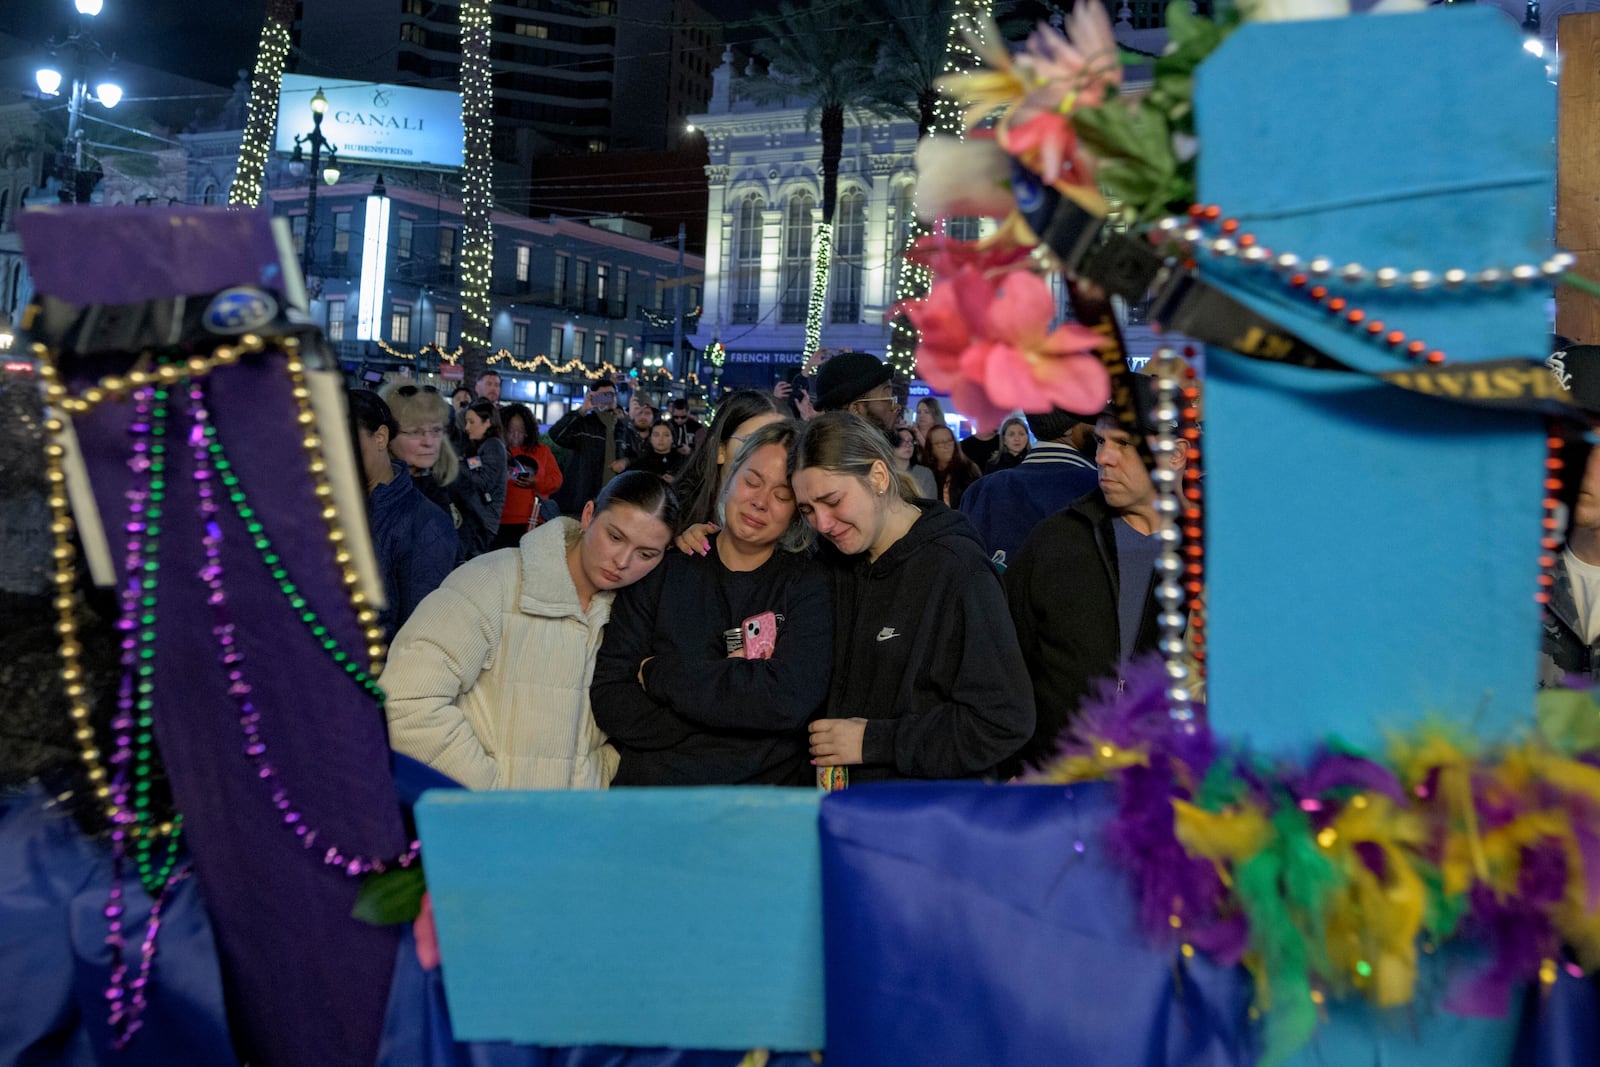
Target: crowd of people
[[818, 587]]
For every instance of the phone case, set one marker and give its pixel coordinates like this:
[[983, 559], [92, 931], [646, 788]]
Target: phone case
[[760, 635]]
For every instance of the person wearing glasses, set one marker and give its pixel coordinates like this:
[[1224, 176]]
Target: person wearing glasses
[[414, 542], [420, 443], [862, 384], [686, 431]]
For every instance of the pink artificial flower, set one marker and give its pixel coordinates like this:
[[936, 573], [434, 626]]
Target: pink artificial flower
[[1047, 144], [1064, 73], [989, 346], [945, 255]]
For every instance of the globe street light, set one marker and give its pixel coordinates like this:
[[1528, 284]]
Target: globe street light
[[328, 173], [81, 51]]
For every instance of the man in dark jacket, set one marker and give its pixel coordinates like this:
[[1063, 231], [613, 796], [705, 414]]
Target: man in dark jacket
[[602, 444], [1006, 505], [1082, 587], [1569, 651]]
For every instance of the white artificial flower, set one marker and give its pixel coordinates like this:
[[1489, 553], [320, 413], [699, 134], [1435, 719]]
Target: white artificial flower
[[1292, 10], [957, 178]]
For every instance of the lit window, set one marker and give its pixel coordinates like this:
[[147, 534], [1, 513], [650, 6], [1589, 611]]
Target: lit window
[[796, 267], [556, 337], [602, 275], [532, 29], [442, 321], [336, 320], [849, 244], [402, 240], [341, 233], [747, 260], [580, 341], [297, 224], [447, 246], [524, 262], [400, 325]]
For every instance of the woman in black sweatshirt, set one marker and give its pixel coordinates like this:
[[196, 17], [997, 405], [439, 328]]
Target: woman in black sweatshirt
[[674, 689], [928, 680]]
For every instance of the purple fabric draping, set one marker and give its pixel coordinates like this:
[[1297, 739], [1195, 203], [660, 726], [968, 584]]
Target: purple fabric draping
[[55, 967], [966, 923], [289, 949]]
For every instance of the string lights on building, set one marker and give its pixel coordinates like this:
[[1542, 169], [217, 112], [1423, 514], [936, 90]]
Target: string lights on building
[[477, 115], [261, 113]]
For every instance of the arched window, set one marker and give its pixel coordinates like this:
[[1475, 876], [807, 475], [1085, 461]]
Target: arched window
[[15, 296], [849, 246], [747, 259], [5, 203], [210, 194], [796, 268]]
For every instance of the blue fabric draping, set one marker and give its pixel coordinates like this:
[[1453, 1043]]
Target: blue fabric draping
[[970, 924], [55, 967]]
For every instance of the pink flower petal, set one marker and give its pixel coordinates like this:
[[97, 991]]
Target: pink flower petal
[[1021, 310], [1078, 384]]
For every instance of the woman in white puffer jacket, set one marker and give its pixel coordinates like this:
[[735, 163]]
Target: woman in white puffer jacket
[[488, 681]]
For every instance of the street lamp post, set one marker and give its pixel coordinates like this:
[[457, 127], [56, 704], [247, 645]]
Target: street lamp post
[[81, 52], [319, 172]]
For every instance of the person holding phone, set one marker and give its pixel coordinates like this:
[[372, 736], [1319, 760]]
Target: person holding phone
[[533, 474], [712, 666], [602, 444]]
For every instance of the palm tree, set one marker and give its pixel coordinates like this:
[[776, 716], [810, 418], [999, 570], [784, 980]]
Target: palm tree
[[261, 116], [821, 56], [477, 197]]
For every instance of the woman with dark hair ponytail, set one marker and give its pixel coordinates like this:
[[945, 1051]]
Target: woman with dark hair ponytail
[[480, 492], [489, 681]]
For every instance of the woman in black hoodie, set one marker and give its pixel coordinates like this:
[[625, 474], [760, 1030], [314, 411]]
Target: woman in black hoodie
[[928, 681]]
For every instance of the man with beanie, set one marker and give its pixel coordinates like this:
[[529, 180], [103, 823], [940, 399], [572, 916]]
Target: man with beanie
[[860, 383], [1006, 505], [1082, 586]]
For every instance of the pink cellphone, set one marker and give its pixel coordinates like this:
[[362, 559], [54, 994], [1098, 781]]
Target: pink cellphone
[[760, 635]]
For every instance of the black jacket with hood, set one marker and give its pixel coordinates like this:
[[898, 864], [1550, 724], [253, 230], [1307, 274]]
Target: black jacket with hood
[[1063, 586], [924, 650]]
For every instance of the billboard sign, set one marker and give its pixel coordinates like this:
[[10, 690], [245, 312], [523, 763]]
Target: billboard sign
[[372, 121]]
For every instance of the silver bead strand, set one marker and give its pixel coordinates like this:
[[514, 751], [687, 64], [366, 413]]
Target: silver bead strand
[[1169, 561]]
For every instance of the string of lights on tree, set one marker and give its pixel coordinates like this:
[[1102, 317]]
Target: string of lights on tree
[[261, 111], [823, 250], [477, 201], [914, 279]]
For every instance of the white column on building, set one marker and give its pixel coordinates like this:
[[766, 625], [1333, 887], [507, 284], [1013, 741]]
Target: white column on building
[[771, 257], [875, 295], [719, 249]]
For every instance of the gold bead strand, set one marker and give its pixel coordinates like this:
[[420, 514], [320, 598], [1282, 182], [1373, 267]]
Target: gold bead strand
[[312, 444], [71, 674]]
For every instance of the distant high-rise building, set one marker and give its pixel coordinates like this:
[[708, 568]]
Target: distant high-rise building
[[569, 76]]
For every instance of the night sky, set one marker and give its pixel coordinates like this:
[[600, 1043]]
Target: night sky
[[207, 41]]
